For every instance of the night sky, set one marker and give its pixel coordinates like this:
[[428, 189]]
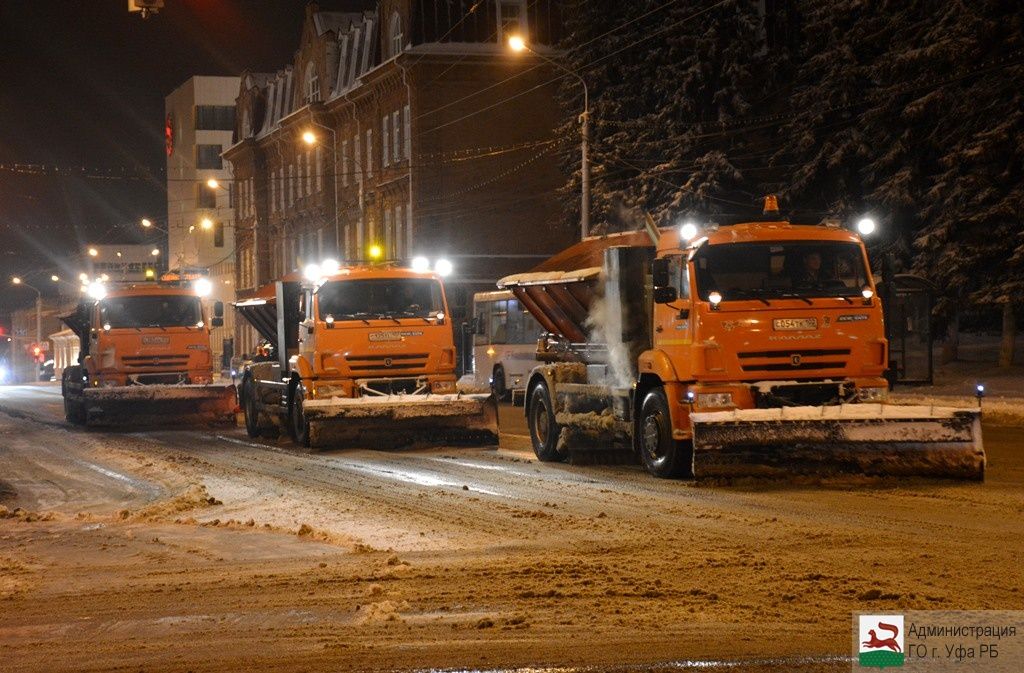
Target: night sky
[[82, 85]]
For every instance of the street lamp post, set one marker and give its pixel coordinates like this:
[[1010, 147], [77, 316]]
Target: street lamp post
[[39, 307], [517, 44], [310, 139]]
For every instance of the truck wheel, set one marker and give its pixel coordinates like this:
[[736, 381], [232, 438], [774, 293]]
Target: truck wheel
[[498, 388], [662, 455], [297, 422], [251, 409], [544, 430]]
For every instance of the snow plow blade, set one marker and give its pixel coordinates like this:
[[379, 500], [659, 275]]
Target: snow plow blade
[[166, 405], [392, 421], [870, 439]]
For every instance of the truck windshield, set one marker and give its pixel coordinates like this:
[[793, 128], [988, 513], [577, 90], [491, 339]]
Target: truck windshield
[[151, 311], [782, 269], [380, 298]]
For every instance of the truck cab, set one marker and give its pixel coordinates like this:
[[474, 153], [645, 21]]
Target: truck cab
[[147, 334], [145, 356], [371, 331], [763, 315], [364, 353]]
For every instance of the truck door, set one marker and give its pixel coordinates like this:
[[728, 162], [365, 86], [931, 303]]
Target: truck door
[[673, 331]]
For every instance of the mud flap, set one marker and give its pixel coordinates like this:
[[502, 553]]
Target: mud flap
[[870, 439], [393, 421], [165, 405]]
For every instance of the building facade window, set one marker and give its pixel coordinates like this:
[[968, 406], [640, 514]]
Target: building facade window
[[205, 197], [395, 37], [215, 117], [385, 142], [218, 234], [511, 19], [396, 138], [208, 156], [312, 83]]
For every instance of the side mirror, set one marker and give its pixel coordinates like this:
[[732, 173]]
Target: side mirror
[[659, 273], [218, 309], [217, 321], [665, 295]]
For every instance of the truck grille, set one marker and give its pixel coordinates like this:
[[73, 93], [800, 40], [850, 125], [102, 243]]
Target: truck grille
[[794, 360], [164, 361], [385, 364]]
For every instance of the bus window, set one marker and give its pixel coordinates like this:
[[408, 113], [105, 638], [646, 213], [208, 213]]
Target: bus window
[[496, 329], [480, 319]]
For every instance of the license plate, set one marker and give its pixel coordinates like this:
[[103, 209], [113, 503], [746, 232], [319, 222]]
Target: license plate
[[394, 336], [156, 340], [795, 323]]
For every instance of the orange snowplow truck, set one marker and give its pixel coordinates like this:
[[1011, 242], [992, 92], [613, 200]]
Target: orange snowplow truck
[[364, 355], [144, 357], [752, 349]]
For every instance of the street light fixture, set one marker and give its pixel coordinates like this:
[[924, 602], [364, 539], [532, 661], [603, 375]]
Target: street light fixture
[[93, 252], [155, 252], [206, 223], [146, 222], [16, 280], [55, 278], [309, 138], [518, 44], [212, 183]]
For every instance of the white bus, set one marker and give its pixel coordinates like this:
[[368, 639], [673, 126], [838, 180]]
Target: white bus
[[504, 342]]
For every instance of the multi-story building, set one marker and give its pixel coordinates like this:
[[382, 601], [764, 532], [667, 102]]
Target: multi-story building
[[411, 127], [199, 124]]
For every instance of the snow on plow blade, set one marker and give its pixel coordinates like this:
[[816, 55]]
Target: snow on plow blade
[[389, 421], [159, 405], [870, 439]]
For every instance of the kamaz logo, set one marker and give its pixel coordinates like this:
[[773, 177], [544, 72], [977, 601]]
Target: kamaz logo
[[795, 359], [387, 362]]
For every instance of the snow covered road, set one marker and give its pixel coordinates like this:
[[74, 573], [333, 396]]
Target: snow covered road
[[188, 549]]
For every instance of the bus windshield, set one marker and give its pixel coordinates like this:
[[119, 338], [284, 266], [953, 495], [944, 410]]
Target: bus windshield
[[380, 298], [151, 311], [777, 270]]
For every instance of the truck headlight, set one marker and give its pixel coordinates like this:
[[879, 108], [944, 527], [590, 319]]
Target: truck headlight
[[711, 400], [443, 387], [879, 394]]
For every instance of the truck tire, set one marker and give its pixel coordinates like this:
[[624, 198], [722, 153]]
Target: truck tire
[[662, 455], [498, 388], [74, 405], [250, 408], [297, 422], [544, 430]]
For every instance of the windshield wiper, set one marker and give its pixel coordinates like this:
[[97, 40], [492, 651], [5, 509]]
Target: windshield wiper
[[794, 295], [413, 314], [751, 293], [356, 316]]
